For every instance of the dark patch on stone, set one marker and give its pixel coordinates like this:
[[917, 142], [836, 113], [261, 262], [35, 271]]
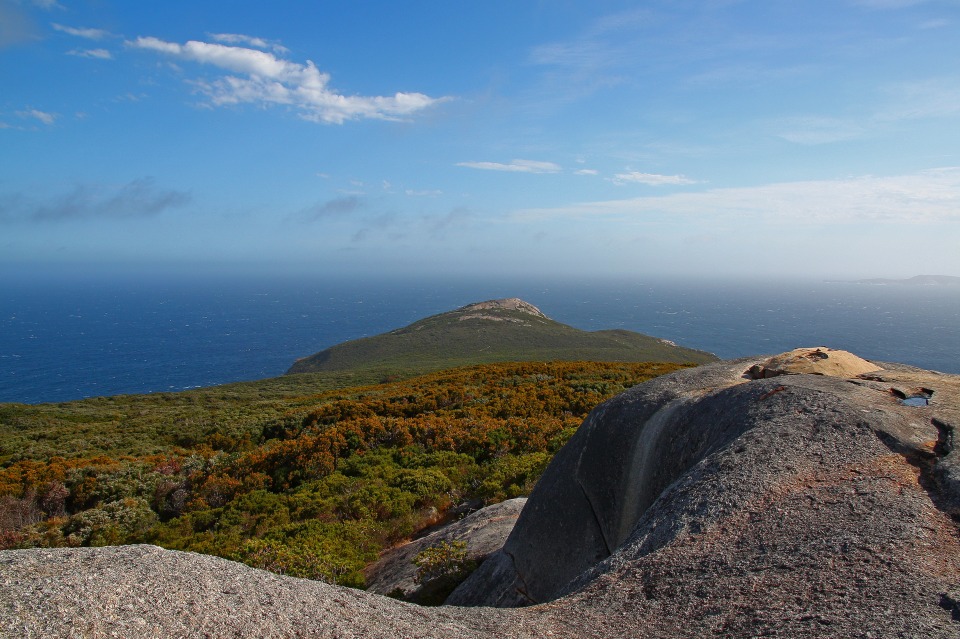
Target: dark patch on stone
[[945, 439], [951, 603]]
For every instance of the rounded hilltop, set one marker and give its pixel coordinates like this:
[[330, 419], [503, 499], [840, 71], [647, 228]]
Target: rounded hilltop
[[501, 330]]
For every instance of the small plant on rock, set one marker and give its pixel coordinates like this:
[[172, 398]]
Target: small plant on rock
[[447, 561]]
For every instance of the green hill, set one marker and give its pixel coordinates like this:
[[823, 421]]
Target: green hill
[[487, 332]]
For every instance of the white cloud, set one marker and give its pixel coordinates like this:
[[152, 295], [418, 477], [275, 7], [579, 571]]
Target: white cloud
[[48, 4], [268, 79], [413, 193], [260, 43], [587, 172], [36, 114], [89, 34], [515, 166], [100, 54], [928, 196], [650, 179]]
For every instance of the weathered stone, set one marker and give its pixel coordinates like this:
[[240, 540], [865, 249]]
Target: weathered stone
[[814, 361], [633, 450], [484, 532]]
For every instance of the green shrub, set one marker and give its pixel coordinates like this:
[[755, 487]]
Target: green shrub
[[446, 560], [122, 521]]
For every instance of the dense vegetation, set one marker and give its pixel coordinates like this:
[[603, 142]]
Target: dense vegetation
[[312, 484]]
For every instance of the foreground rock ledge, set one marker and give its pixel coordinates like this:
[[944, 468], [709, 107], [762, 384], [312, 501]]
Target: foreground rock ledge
[[703, 503]]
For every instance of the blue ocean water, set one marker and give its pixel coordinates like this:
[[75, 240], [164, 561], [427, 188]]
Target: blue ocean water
[[68, 339]]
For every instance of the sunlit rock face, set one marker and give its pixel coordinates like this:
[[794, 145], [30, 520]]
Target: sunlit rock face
[[713, 449], [813, 361]]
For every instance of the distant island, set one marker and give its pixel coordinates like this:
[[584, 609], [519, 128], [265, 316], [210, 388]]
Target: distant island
[[503, 330], [917, 280]]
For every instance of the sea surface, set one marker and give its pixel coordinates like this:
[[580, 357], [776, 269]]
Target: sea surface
[[66, 339]]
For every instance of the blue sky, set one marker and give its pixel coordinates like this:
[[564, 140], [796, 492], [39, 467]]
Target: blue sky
[[714, 137]]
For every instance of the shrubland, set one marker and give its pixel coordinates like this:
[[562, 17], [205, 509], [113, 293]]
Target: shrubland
[[291, 475]]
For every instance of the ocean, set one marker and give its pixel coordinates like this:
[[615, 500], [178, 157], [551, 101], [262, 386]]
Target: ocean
[[68, 339]]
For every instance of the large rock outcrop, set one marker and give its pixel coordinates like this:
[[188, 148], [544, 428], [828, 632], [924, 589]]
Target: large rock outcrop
[[801, 415], [703, 503]]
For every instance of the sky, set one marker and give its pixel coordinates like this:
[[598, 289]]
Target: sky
[[706, 137]]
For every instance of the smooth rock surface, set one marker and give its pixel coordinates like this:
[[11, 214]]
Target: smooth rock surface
[[814, 361], [700, 504]]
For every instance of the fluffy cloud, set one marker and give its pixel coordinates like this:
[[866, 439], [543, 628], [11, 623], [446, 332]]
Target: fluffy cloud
[[515, 166], [139, 198], [650, 179], [266, 79], [925, 197], [90, 34]]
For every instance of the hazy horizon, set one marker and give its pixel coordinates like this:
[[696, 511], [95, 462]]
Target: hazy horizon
[[705, 139]]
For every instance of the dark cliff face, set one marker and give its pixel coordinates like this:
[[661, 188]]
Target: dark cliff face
[[703, 503]]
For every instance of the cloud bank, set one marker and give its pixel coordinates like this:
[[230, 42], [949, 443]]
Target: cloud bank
[[265, 79], [925, 197]]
